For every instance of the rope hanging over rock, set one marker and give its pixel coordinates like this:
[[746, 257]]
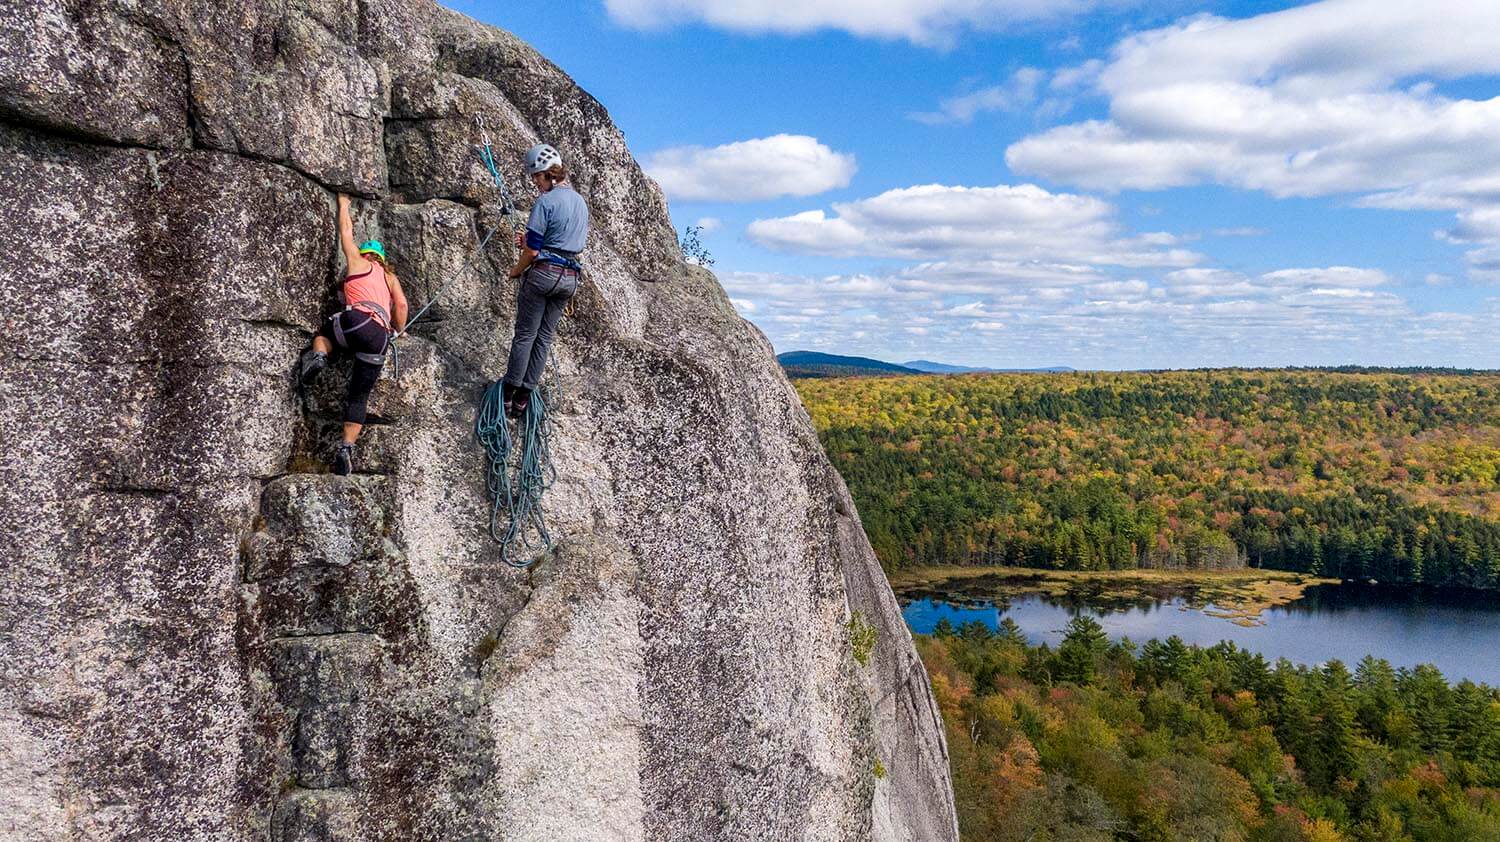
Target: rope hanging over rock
[[487, 155], [507, 220], [518, 469]]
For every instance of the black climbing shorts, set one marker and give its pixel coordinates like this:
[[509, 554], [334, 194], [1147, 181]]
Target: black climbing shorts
[[365, 335]]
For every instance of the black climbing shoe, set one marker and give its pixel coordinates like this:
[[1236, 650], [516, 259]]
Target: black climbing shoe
[[343, 460], [312, 363], [519, 402], [509, 392]]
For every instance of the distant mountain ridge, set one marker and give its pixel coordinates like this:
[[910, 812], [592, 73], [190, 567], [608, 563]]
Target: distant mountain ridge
[[817, 364], [943, 368]]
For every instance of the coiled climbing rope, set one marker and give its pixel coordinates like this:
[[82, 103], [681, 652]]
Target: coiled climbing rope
[[518, 469]]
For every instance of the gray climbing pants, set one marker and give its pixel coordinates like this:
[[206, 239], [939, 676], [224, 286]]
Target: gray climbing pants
[[545, 291]]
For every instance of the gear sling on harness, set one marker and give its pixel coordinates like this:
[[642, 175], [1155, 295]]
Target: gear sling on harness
[[362, 294]]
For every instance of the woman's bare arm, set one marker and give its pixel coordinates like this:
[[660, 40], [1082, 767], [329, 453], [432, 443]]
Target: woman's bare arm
[[398, 302], [356, 263]]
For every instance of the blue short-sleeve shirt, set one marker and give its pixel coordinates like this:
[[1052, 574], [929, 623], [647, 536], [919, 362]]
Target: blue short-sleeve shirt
[[559, 222]]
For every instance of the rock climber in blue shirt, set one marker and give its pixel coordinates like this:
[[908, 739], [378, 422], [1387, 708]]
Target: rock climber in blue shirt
[[549, 271]]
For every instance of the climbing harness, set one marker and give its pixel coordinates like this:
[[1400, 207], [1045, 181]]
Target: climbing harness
[[365, 308], [516, 492]]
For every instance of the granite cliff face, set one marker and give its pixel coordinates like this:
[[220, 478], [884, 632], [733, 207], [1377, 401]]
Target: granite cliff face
[[203, 635]]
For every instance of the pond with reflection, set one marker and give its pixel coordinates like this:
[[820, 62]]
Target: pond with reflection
[[1456, 630]]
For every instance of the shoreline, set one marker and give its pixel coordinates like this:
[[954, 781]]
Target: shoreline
[[1239, 596]]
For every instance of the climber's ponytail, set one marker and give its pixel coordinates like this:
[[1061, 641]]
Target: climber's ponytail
[[384, 262], [555, 173]]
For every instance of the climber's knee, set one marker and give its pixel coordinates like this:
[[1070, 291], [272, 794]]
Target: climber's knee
[[361, 382]]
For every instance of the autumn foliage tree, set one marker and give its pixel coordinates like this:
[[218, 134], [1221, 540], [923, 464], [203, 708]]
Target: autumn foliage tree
[[1101, 741], [1394, 477]]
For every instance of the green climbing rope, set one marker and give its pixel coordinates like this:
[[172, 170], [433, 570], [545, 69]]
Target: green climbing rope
[[518, 469], [487, 155]]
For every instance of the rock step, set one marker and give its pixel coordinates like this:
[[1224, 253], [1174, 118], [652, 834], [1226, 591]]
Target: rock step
[[325, 560], [323, 745], [322, 573], [325, 669], [321, 520], [379, 451]]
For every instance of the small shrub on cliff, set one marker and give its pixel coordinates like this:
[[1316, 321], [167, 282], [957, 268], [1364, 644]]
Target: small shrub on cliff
[[862, 637]]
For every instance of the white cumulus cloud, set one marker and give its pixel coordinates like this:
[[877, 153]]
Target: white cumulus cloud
[[1348, 281], [1333, 98], [1476, 226], [751, 170], [1332, 276], [1018, 92], [930, 22], [990, 313], [946, 222]]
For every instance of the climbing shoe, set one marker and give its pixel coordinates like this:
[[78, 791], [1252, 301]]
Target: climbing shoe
[[312, 363], [343, 460], [518, 402], [509, 392]]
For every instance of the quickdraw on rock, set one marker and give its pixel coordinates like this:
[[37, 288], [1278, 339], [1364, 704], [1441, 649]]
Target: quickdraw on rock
[[507, 221]]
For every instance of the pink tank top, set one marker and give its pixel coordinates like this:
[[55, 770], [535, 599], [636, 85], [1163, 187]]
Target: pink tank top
[[368, 292]]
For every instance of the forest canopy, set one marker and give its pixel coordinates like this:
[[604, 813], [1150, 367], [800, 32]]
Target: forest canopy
[[1389, 476], [1101, 741]]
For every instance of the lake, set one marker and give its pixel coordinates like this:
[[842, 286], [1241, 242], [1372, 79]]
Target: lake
[[1456, 630]]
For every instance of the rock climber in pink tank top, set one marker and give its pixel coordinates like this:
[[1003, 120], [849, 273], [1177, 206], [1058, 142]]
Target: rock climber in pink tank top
[[369, 291], [374, 309]]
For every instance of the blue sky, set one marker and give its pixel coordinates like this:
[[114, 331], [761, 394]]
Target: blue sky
[[1094, 183]]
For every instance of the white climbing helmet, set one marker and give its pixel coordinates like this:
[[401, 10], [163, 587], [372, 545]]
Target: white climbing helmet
[[540, 158]]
